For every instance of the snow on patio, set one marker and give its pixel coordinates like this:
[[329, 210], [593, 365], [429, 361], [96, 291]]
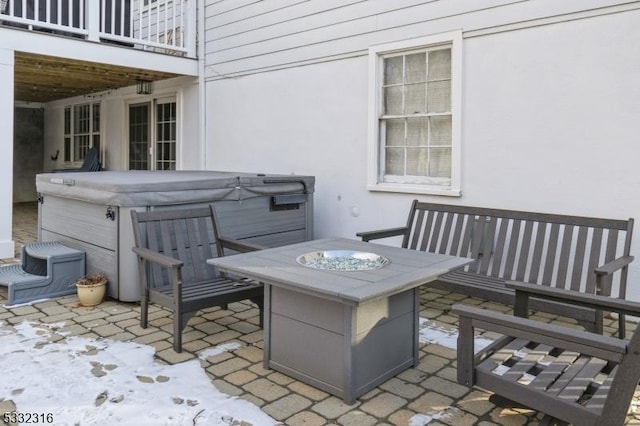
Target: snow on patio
[[99, 381], [87, 381]]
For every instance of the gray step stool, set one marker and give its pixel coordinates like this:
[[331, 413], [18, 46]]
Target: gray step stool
[[47, 269]]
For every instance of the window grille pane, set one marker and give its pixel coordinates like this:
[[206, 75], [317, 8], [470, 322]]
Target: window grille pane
[[417, 131], [439, 96], [394, 161], [440, 162], [393, 129], [393, 70], [96, 118], [416, 71], [440, 64], [81, 146], [415, 99], [81, 119], [393, 100], [165, 136], [139, 137], [67, 121], [417, 162], [67, 149], [441, 130]]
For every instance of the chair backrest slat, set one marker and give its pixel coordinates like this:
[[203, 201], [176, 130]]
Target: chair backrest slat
[[188, 235]]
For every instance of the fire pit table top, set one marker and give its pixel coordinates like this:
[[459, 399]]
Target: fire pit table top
[[306, 267]]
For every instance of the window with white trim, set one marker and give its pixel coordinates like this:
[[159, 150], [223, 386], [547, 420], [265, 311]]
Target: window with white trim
[[414, 120], [81, 131]]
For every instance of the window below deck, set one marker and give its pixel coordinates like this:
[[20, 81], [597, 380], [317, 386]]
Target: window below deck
[[81, 131]]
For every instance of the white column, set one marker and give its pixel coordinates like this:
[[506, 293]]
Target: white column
[[6, 147]]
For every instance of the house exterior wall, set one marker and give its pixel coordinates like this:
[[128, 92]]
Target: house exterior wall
[[114, 136], [27, 151], [549, 102]]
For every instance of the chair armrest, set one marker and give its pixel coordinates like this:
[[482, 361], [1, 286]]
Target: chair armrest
[[614, 265], [239, 246], [382, 233], [525, 290], [605, 347], [159, 258]]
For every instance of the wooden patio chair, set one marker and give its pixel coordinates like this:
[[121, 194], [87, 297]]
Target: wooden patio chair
[[91, 163], [573, 376], [172, 247]]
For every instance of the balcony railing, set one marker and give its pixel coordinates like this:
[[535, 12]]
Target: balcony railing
[[167, 26]]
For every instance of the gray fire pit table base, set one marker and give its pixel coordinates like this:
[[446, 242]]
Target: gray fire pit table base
[[343, 349], [344, 332]]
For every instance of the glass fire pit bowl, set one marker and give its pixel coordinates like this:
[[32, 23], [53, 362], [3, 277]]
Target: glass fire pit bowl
[[343, 260]]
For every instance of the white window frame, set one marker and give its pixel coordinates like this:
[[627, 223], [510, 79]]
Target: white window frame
[[70, 135], [374, 146]]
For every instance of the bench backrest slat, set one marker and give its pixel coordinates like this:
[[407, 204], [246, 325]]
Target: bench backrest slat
[[512, 250], [537, 251], [547, 249], [578, 258], [499, 248], [446, 233], [554, 236]]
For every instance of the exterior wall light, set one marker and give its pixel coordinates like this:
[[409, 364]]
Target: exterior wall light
[[144, 87]]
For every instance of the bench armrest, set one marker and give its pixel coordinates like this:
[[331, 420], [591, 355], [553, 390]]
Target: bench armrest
[[239, 246], [159, 258], [525, 290], [382, 233], [614, 265]]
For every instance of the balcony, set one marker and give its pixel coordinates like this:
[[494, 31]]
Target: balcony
[[163, 26], [80, 47]]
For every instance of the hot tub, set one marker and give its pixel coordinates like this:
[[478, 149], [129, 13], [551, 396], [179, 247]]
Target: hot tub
[[91, 212]]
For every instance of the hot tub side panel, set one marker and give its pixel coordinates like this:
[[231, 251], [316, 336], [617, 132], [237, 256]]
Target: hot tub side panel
[[268, 214]]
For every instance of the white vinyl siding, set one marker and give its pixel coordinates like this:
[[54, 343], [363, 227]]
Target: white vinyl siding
[[250, 36]]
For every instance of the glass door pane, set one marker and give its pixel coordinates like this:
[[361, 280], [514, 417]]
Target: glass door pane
[[165, 137], [139, 126]]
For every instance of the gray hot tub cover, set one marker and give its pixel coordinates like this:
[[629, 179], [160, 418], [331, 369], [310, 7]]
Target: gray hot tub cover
[[151, 188]]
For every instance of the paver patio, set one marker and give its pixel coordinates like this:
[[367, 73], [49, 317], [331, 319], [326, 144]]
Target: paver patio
[[427, 394]]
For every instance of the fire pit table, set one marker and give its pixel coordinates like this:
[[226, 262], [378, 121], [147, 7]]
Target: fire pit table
[[340, 314]]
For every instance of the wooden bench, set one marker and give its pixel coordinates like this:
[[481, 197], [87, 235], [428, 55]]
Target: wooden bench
[[582, 254], [172, 247], [570, 375]]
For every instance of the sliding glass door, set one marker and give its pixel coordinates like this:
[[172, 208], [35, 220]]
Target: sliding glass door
[[152, 135]]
